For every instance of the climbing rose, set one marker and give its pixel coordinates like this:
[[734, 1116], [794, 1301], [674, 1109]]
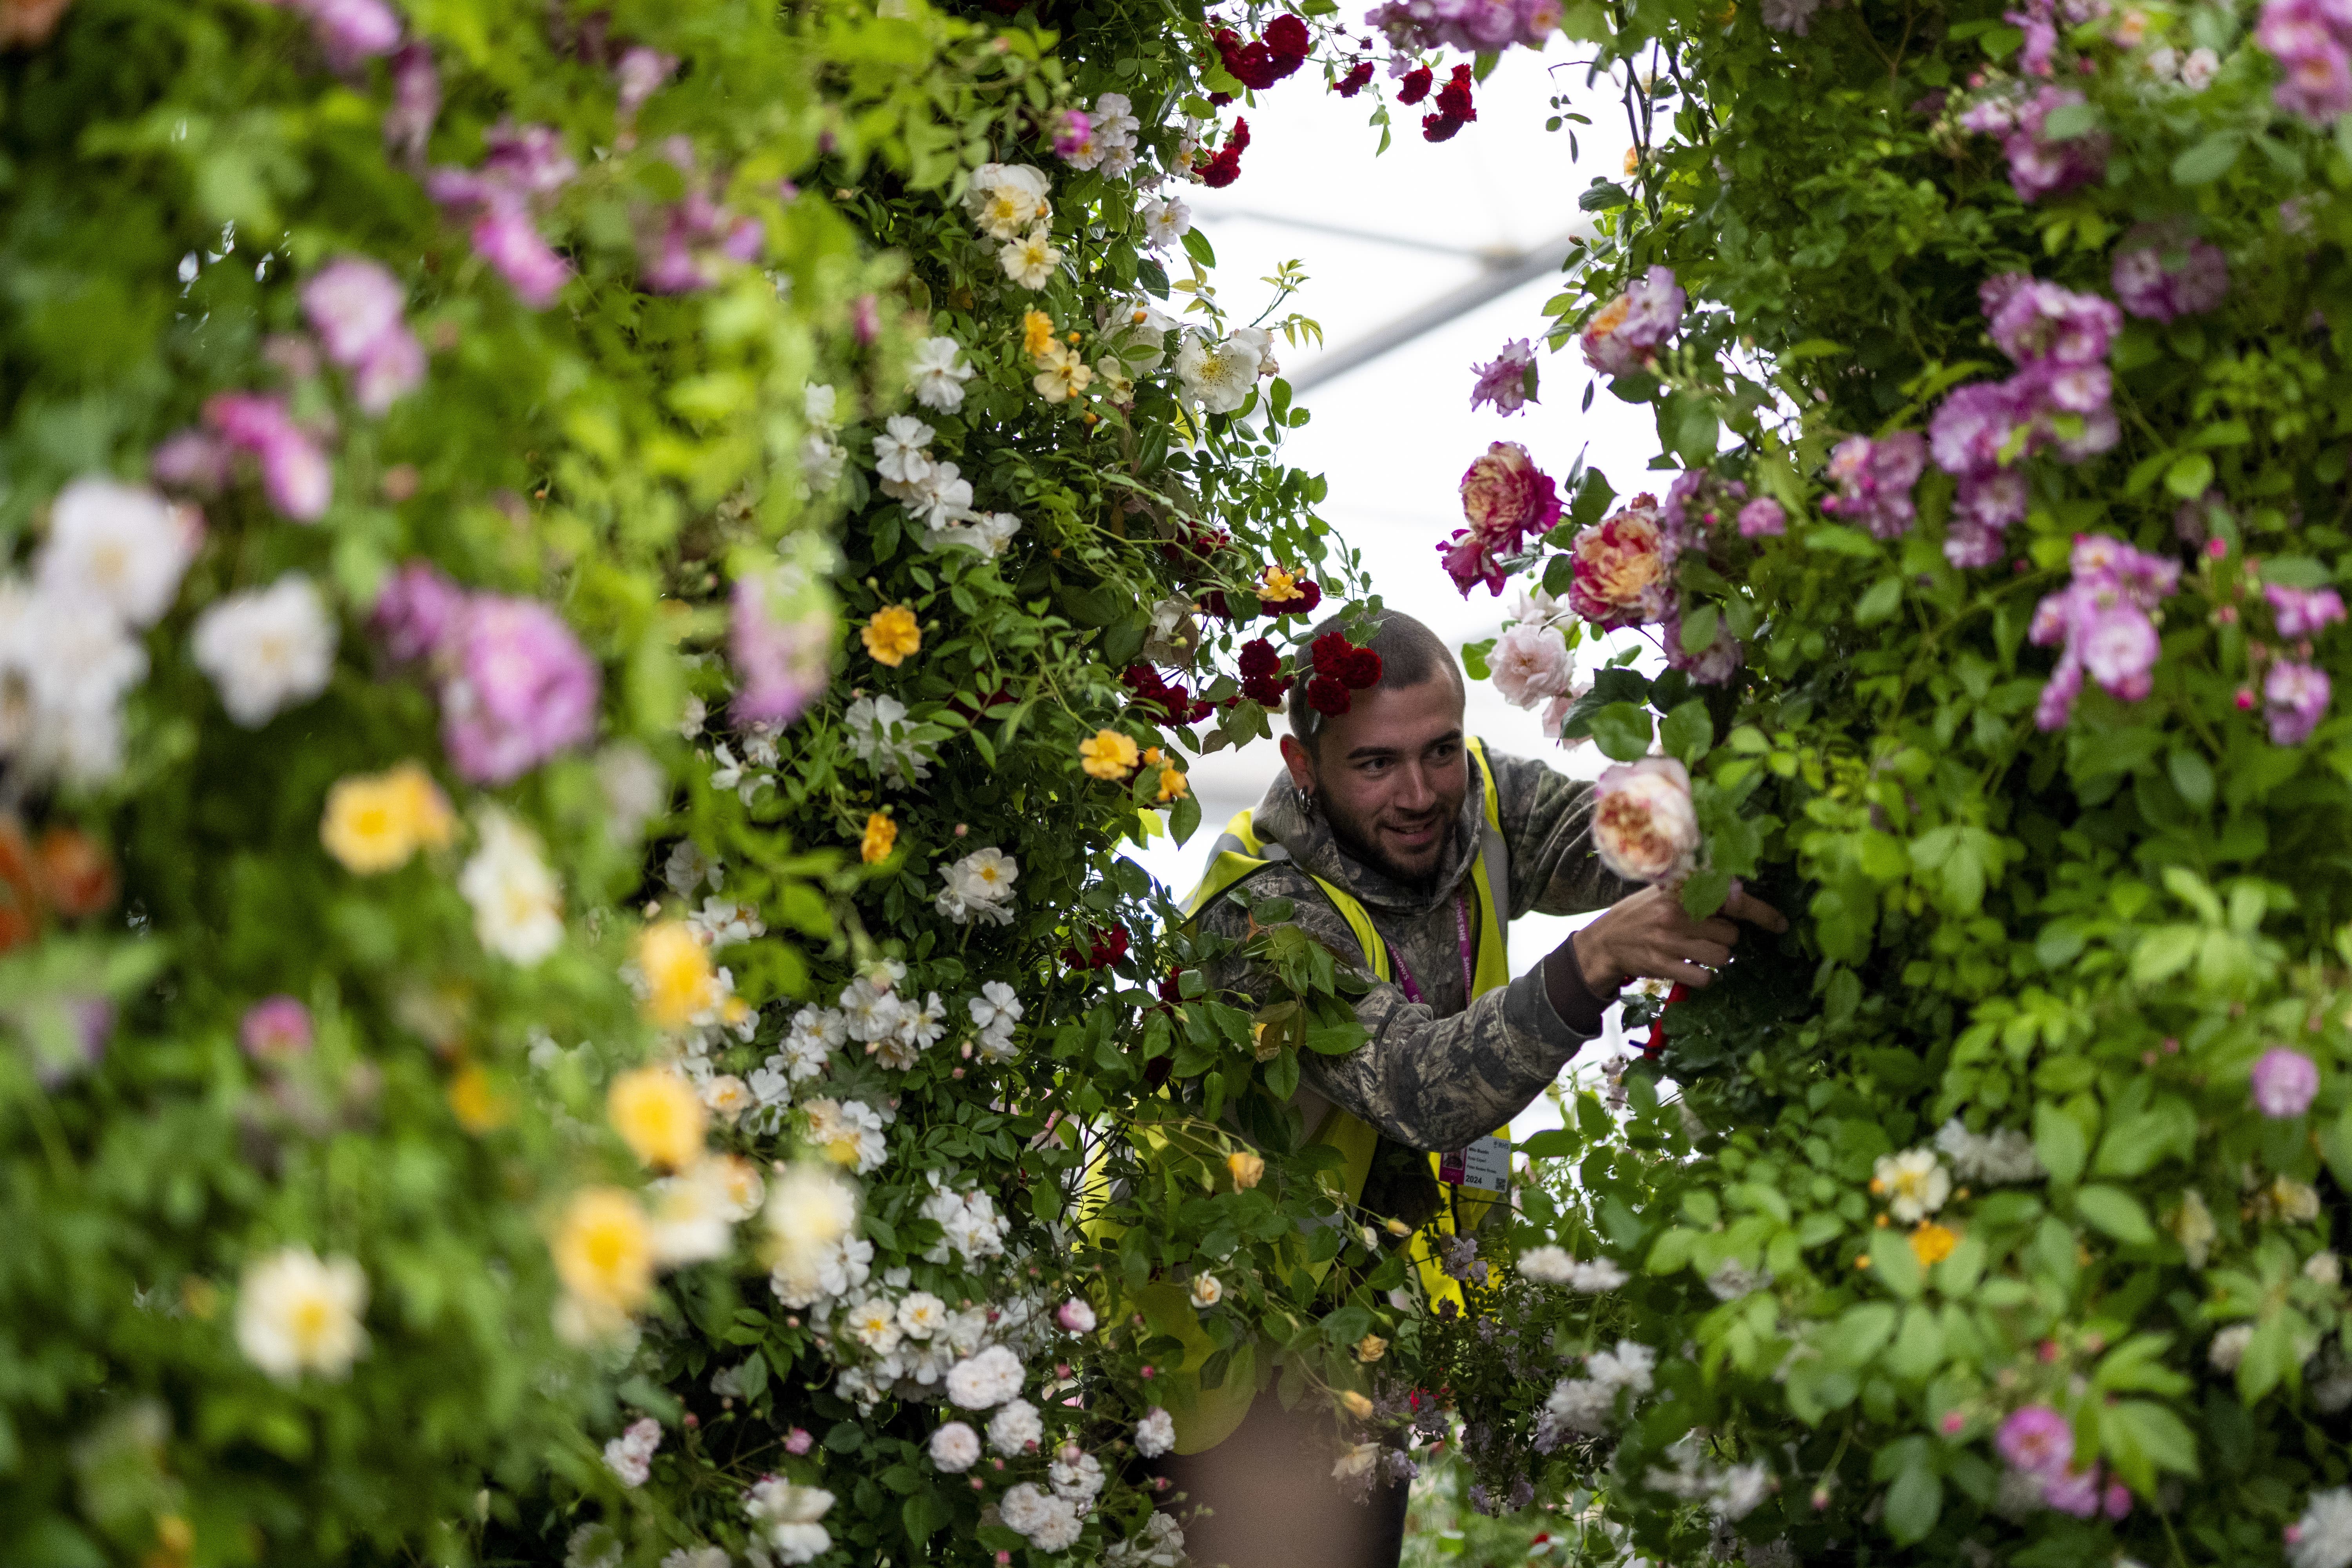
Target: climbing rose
[[2162, 274], [523, 689], [1508, 382], [1621, 570], [2296, 699], [1643, 823], [1621, 337], [1504, 497]]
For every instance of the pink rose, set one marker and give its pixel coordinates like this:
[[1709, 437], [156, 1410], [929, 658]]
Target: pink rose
[[1531, 663], [1623, 334], [2285, 1083], [1642, 820], [1620, 569]]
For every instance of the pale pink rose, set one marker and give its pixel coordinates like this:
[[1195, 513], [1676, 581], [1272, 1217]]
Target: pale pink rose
[[1531, 663], [1621, 568], [1643, 821]]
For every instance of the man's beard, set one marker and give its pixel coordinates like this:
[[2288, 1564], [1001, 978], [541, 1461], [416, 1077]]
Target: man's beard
[[1356, 838]]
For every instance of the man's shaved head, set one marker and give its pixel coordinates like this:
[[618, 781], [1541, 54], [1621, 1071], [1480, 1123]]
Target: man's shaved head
[[1410, 654]]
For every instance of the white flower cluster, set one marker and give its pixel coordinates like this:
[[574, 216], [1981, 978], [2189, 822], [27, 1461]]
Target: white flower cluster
[[995, 1010], [2321, 1538], [1161, 1545], [933, 491], [972, 1227], [979, 887], [1166, 223], [937, 373], [786, 1517], [1009, 203], [1553, 1265], [68, 640], [1052, 1523], [267, 648], [694, 1214], [1155, 1433], [1588, 1405], [1732, 1492], [848, 1133], [822, 456], [1110, 138], [517, 904], [809, 1042], [879, 734], [893, 1030], [1219, 375], [630, 1456], [813, 1221], [903, 1344], [592, 1546], [1999, 1158]]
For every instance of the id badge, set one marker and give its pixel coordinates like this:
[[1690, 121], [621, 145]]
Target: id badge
[[1485, 1164]]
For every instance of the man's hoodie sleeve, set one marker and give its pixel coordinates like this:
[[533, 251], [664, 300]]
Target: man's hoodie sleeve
[[1433, 1083]]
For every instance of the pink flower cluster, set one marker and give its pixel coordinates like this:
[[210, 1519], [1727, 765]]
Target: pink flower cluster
[[1623, 334], [2038, 1445], [2312, 41], [1874, 480], [295, 472], [354, 305], [526, 169], [1504, 497], [1509, 382], [2058, 399], [2039, 165], [349, 31], [1473, 26], [2162, 273], [2103, 620], [785, 661], [1622, 576], [515, 686], [2295, 700], [679, 257]]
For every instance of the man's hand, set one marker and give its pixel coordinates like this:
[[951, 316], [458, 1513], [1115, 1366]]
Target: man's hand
[[1649, 936]]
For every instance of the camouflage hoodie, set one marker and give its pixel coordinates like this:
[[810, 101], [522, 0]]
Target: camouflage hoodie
[[1435, 1074]]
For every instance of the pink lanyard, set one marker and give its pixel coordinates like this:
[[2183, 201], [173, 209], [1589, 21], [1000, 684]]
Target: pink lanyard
[[1462, 928]]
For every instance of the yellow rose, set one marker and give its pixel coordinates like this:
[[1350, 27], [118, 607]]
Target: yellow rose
[[1246, 1168], [1279, 586], [1173, 786], [1370, 1348], [374, 822], [1933, 1243], [659, 1115], [1356, 1405], [1036, 333], [604, 1250], [680, 985], [881, 832], [476, 1101], [891, 634], [1107, 756]]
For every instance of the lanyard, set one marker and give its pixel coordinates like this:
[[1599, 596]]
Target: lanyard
[[1462, 931]]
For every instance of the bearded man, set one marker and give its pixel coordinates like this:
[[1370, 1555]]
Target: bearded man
[[1406, 847]]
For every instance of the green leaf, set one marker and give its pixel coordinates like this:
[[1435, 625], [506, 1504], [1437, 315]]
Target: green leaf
[[1688, 733], [1839, 540], [1883, 599], [2060, 1144], [2142, 1437], [2192, 775], [1699, 627], [1623, 732], [1184, 819], [1913, 1502], [2209, 160], [2189, 475], [1473, 658], [1551, 1143], [2116, 1212], [1703, 893], [1197, 246]]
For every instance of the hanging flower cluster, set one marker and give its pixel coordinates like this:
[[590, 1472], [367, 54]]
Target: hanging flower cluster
[[1341, 670], [2058, 399], [1264, 60], [2104, 623], [1506, 498]]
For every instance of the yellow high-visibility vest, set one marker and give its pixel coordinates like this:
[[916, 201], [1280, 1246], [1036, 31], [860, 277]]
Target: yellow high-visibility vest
[[1214, 1413]]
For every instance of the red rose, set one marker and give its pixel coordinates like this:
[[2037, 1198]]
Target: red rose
[[1415, 85], [1287, 39], [1454, 98], [1363, 669], [1331, 653], [1258, 658], [1354, 82], [1226, 167], [1327, 696]]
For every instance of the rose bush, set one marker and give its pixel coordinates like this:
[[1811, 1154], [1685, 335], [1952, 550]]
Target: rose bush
[[374, 375], [1990, 1215]]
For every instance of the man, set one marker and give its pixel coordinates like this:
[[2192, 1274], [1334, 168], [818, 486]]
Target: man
[[1386, 824]]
